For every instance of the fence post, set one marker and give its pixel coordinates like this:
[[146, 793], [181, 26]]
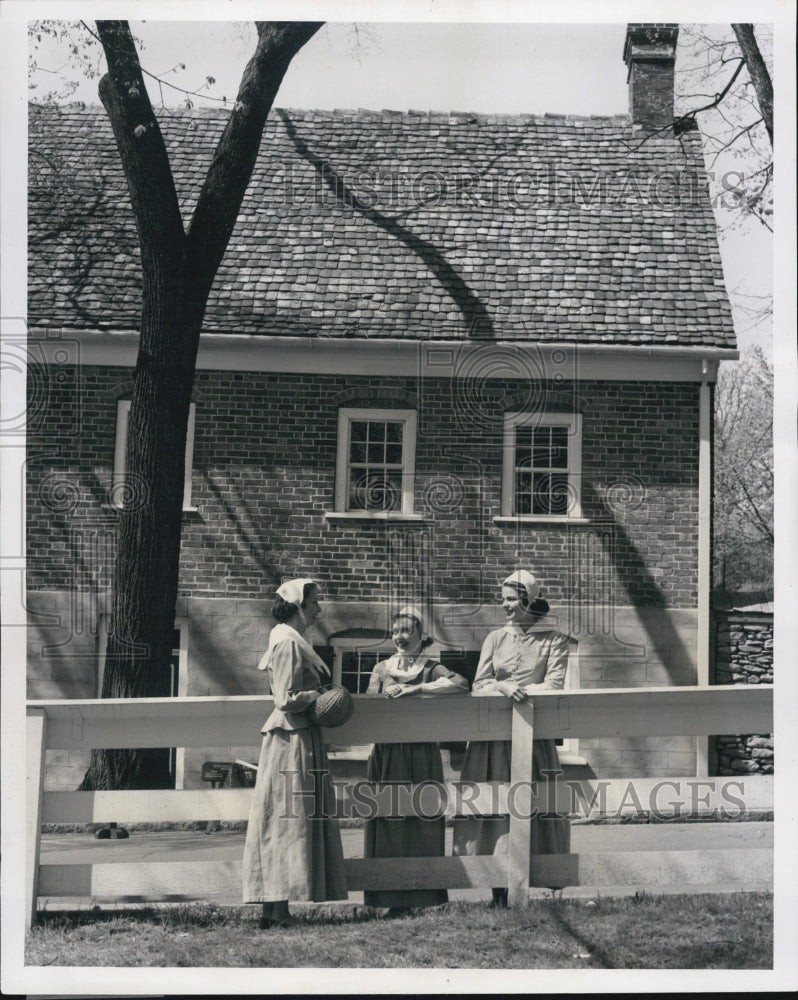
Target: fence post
[[519, 805], [36, 744]]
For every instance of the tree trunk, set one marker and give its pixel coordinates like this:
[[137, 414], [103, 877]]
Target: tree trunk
[[758, 71], [178, 271]]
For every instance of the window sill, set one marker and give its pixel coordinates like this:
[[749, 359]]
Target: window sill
[[540, 519], [116, 507], [373, 515]]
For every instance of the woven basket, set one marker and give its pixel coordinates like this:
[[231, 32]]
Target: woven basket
[[332, 708]]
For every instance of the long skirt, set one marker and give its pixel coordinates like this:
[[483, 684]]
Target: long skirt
[[293, 844], [490, 761], [408, 836]]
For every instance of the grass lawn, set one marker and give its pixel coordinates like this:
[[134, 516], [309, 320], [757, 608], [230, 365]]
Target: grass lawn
[[721, 931]]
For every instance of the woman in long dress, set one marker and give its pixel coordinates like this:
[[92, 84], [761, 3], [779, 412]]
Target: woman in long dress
[[293, 844], [515, 661], [408, 672]]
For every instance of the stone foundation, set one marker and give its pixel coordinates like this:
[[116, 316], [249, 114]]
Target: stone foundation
[[225, 638], [744, 655]]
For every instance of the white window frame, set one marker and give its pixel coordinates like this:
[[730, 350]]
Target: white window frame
[[346, 416], [181, 626], [384, 649], [348, 644], [120, 452], [512, 421]]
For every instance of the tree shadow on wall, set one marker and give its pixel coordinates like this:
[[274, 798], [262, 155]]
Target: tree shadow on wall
[[476, 317], [642, 590], [246, 535]]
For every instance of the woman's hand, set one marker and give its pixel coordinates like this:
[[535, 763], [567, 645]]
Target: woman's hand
[[512, 690], [402, 690]]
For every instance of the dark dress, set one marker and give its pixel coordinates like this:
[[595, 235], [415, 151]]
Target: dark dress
[[533, 657], [409, 763]]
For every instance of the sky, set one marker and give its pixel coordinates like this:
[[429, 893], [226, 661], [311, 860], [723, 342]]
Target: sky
[[501, 68], [442, 67]]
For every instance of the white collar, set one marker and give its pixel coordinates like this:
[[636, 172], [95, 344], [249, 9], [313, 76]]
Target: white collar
[[533, 629], [281, 632], [396, 667]]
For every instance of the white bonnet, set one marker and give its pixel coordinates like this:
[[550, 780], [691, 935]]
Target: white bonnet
[[523, 578], [294, 590], [411, 611]]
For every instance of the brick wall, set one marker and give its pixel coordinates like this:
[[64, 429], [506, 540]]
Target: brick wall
[[624, 583], [649, 53], [651, 94], [264, 469], [744, 655]]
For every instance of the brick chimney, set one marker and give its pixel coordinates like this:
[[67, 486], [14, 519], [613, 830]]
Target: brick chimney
[[650, 54]]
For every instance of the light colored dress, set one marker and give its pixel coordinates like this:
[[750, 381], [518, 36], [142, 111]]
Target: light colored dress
[[409, 763], [293, 845], [527, 657]]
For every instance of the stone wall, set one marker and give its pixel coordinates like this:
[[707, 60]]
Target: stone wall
[[744, 655]]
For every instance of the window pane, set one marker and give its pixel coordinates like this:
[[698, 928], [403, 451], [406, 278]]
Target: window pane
[[356, 668], [393, 454], [357, 452], [540, 494], [351, 677], [376, 452], [559, 447], [359, 430], [371, 490], [523, 437], [361, 491], [394, 432], [386, 492], [357, 490], [376, 430], [523, 493], [523, 447], [541, 456], [559, 493]]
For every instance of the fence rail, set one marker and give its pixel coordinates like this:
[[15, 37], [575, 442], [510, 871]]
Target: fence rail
[[212, 722]]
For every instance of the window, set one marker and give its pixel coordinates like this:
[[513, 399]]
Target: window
[[375, 462], [120, 453], [542, 462], [354, 667], [354, 658]]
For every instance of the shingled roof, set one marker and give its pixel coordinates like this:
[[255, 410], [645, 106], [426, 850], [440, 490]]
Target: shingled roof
[[411, 225]]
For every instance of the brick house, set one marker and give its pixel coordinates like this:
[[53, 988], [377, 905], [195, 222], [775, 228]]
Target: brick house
[[438, 347]]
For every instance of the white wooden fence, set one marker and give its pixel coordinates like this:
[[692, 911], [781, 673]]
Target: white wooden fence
[[224, 722]]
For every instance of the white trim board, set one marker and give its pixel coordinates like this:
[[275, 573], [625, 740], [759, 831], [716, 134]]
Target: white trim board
[[522, 360]]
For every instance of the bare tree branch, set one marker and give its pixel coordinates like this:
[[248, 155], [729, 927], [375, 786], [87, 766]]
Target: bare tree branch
[[231, 168]]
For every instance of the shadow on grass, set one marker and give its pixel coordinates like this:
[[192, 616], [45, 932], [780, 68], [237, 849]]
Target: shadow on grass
[[712, 931], [557, 909]]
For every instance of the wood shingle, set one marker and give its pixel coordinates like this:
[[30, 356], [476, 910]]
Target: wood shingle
[[412, 225]]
